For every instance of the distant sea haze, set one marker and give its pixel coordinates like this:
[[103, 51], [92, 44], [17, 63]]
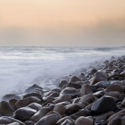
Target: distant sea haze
[[22, 66]]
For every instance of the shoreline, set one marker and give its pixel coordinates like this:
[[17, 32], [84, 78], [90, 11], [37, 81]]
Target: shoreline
[[95, 96]]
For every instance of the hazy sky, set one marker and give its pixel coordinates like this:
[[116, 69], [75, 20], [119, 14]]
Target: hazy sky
[[62, 22]]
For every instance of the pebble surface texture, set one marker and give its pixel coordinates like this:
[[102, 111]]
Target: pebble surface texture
[[95, 96]]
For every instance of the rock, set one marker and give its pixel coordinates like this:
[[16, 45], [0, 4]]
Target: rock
[[62, 83], [62, 98], [74, 85], [72, 108], [76, 115], [74, 79], [12, 103], [64, 103], [35, 106], [14, 123], [24, 114], [115, 87], [48, 120], [103, 105], [5, 109], [84, 120], [70, 91], [36, 94], [26, 101], [101, 84], [98, 76], [115, 94], [52, 95], [99, 94], [60, 109], [87, 98], [7, 120], [29, 123], [123, 103], [41, 113], [60, 121], [86, 89], [33, 88], [10, 96], [67, 122], [56, 90]]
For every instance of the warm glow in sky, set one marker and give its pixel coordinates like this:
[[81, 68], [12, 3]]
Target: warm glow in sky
[[48, 18]]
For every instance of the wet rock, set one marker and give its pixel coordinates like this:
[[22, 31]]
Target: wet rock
[[9, 97], [33, 88], [60, 121], [36, 94], [35, 106], [5, 109], [41, 113], [98, 76], [102, 84], [14, 123], [62, 83], [67, 122], [72, 108], [87, 98], [26, 101], [60, 109], [86, 89], [99, 94], [103, 105], [64, 103], [62, 98], [70, 91], [12, 104], [24, 114], [115, 94], [74, 85], [84, 120], [48, 120], [76, 115], [115, 87], [7, 120], [74, 79], [29, 123]]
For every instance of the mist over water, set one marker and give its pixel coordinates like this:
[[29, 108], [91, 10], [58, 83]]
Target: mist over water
[[21, 67]]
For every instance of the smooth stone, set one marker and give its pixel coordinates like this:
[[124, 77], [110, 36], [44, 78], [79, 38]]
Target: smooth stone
[[26, 101], [102, 84], [56, 90], [7, 120], [115, 87], [60, 121], [41, 113], [84, 120], [5, 109], [67, 122], [14, 123], [64, 103], [29, 123], [24, 114], [35, 106], [74, 85], [36, 94], [62, 98], [86, 89], [12, 103], [70, 91], [97, 77], [99, 94], [60, 109], [115, 94], [10, 96], [33, 88], [103, 105], [74, 79], [62, 83], [87, 98], [72, 108], [76, 115], [123, 103], [48, 120]]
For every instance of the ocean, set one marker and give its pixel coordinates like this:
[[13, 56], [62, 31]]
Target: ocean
[[21, 67]]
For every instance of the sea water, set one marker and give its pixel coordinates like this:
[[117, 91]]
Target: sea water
[[21, 67]]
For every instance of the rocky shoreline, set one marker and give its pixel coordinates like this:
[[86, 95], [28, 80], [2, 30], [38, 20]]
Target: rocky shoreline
[[95, 96]]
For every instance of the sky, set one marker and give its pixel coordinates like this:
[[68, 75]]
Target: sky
[[62, 23]]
